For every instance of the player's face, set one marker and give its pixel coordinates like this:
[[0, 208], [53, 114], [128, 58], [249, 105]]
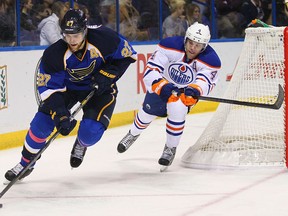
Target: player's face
[[74, 41], [193, 48]]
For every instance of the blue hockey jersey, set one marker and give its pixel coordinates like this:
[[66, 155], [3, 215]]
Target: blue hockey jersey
[[62, 70]]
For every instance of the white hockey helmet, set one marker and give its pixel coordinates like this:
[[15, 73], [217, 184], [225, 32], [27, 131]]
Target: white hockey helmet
[[199, 33]]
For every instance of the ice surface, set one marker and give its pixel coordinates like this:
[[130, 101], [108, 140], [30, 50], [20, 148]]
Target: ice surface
[[130, 184]]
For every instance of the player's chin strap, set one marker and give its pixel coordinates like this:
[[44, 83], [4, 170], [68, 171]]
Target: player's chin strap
[[52, 138]]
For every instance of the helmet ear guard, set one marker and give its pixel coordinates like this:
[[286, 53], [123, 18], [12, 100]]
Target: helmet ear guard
[[199, 33], [74, 21]]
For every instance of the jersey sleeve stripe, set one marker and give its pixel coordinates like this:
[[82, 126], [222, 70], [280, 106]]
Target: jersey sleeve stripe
[[153, 65], [46, 94]]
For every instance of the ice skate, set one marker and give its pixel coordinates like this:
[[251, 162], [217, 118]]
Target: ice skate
[[126, 142], [167, 156], [77, 154], [11, 174]]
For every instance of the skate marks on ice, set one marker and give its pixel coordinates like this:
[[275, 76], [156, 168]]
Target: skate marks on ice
[[113, 184]]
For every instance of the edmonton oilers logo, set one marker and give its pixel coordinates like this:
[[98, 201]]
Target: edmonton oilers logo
[[181, 74]]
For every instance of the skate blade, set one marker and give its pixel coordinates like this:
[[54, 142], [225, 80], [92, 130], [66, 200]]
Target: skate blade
[[163, 168], [6, 182]]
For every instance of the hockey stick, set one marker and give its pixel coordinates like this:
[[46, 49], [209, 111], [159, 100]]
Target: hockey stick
[[276, 105], [52, 138]]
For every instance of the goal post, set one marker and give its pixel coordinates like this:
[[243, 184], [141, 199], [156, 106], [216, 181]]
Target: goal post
[[242, 136], [286, 90]]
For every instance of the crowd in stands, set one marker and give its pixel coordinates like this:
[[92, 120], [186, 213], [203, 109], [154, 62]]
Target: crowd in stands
[[7, 23], [138, 20], [176, 23], [49, 27]]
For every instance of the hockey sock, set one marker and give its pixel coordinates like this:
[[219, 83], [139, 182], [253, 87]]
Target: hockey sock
[[141, 122], [40, 128], [174, 131]]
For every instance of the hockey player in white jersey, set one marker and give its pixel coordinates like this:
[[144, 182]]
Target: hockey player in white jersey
[[179, 69]]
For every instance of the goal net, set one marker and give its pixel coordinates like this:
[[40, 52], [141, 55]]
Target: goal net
[[239, 136]]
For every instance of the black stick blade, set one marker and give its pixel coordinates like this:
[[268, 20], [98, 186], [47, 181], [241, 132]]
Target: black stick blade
[[276, 105]]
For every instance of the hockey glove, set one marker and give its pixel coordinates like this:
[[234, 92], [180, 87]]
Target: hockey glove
[[168, 92], [191, 92], [62, 121], [103, 80]]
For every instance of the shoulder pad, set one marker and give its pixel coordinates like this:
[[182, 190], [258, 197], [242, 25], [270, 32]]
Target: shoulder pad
[[176, 43], [105, 39], [210, 57], [52, 58]]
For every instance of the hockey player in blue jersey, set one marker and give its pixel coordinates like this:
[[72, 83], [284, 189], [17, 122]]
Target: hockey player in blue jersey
[[68, 71], [180, 69]]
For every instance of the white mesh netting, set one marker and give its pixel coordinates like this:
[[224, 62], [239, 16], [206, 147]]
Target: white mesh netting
[[241, 135]]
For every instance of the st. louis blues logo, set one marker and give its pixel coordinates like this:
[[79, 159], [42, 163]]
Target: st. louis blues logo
[[79, 74], [181, 74]]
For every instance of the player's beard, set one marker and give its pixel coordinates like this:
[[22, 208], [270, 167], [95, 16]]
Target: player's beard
[[77, 47]]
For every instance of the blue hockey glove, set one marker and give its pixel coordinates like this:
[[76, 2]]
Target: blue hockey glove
[[103, 80], [62, 121], [167, 91]]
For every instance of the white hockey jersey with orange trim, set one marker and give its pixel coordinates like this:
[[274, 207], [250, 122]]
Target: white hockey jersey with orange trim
[[169, 61]]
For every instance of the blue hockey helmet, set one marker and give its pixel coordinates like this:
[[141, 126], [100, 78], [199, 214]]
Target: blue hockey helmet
[[74, 21]]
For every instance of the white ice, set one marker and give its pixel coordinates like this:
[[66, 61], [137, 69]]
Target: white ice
[[130, 184]]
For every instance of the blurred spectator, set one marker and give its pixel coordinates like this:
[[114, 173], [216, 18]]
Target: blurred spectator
[[94, 10], [7, 30], [251, 9], [166, 11], [201, 3], [50, 30], [28, 35], [175, 24], [149, 17], [7, 23], [229, 20], [87, 13], [105, 12], [193, 14], [26, 19], [267, 9], [204, 9], [48, 3], [40, 12], [129, 19], [281, 13], [69, 5], [7, 6]]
